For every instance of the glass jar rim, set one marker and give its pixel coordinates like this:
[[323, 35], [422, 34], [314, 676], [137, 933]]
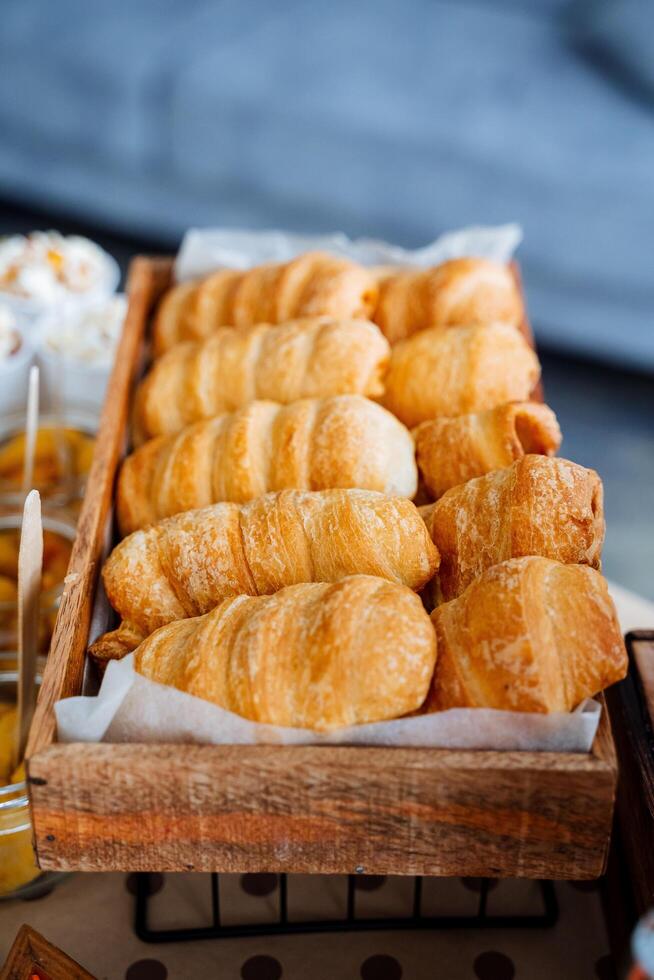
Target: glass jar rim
[[64, 527], [83, 420]]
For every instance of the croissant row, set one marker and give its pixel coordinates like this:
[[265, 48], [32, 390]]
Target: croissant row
[[187, 564], [318, 655], [530, 634], [312, 284], [311, 358], [536, 506], [465, 291], [317, 444], [273, 554], [453, 372], [450, 451]]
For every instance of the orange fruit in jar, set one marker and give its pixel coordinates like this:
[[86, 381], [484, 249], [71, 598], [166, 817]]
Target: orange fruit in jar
[[9, 542], [8, 589]]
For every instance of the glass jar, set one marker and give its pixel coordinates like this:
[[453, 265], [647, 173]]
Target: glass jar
[[17, 862], [64, 450], [19, 875], [60, 528]]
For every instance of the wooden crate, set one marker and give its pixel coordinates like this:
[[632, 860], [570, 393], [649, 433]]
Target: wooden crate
[[99, 807]]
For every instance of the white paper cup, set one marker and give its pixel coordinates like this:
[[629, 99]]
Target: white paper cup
[[29, 311], [68, 382]]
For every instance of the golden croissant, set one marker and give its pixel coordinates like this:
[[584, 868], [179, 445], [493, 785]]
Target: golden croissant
[[187, 564], [450, 451], [453, 372], [530, 635], [310, 358], [174, 318], [461, 291], [319, 655], [536, 506], [316, 444], [312, 284]]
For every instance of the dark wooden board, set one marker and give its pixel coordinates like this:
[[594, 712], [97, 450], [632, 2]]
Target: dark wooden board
[[629, 890]]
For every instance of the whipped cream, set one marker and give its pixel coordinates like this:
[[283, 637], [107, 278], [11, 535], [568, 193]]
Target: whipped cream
[[10, 340], [47, 266], [90, 336]]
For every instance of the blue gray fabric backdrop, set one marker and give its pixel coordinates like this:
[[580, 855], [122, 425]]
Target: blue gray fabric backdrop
[[393, 118]]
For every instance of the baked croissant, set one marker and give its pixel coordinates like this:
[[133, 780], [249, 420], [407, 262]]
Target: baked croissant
[[175, 315], [450, 451], [460, 291], [530, 635], [310, 358], [536, 506], [187, 564], [312, 284], [452, 372], [318, 655], [315, 444]]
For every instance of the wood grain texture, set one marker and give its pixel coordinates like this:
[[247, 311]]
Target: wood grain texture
[[323, 809], [297, 808], [31, 953]]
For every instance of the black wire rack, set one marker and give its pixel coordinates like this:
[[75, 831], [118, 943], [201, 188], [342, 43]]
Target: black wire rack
[[351, 922]]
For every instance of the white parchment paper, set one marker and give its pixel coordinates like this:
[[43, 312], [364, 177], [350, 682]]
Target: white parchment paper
[[206, 249], [130, 708]]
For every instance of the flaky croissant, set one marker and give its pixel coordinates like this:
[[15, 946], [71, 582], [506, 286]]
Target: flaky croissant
[[312, 284], [310, 358], [461, 291], [318, 656], [187, 564], [450, 451], [175, 314], [530, 635], [316, 444], [536, 506], [452, 372]]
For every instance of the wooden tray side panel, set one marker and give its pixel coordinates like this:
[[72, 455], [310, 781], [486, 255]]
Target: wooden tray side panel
[[329, 810]]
